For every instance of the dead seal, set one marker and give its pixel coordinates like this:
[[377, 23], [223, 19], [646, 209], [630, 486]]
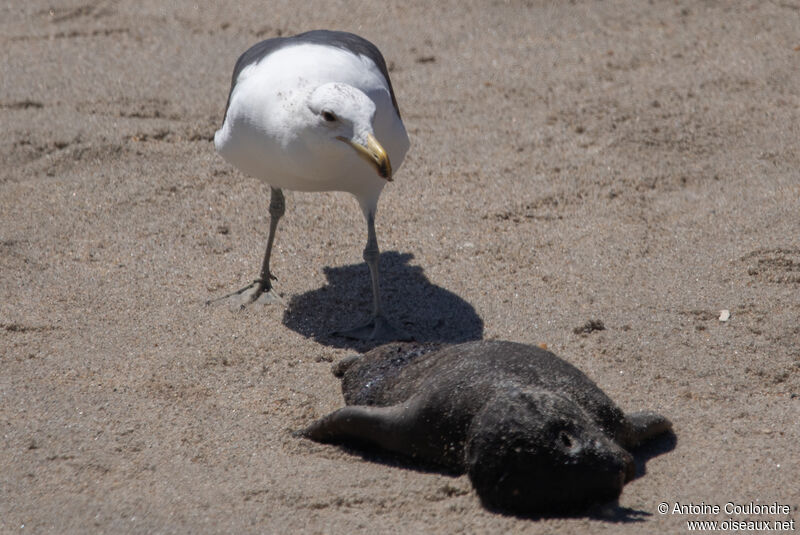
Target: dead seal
[[534, 434]]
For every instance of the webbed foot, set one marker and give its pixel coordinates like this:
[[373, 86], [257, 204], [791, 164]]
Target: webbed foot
[[258, 292], [378, 329]]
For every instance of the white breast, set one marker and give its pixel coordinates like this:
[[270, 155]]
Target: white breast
[[267, 113]]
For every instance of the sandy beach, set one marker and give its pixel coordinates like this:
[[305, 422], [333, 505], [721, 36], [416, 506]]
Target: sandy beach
[[632, 163]]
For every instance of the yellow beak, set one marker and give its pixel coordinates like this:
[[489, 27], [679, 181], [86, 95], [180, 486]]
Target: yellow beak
[[374, 153]]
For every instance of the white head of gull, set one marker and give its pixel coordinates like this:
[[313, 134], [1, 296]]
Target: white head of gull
[[315, 112]]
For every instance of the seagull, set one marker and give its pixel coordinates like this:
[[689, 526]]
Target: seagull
[[315, 112]]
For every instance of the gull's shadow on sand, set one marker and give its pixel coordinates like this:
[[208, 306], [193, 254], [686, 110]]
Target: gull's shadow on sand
[[423, 310], [607, 512]]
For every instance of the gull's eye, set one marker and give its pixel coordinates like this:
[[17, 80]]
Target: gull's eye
[[328, 116]]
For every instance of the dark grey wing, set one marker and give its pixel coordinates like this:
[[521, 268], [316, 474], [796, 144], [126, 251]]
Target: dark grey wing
[[252, 55], [344, 40], [353, 43]]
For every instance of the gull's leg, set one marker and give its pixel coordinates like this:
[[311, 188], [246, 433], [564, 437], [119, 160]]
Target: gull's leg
[[378, 328], [371, 256], [260, 290]]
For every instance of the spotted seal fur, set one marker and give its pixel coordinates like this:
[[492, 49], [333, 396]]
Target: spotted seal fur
[[532, 431]]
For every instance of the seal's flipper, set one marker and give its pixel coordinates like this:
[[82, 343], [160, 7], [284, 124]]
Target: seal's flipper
[[644, 426], [340, 367], [386, 427]]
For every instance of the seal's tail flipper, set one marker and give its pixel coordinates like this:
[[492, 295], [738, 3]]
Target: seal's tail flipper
[[646, 425], [341, 367]]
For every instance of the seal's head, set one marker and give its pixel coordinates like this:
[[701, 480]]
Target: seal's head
[[531, 450]]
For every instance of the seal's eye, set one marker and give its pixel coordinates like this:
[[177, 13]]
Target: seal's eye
[[566, 439], [328, 116]]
